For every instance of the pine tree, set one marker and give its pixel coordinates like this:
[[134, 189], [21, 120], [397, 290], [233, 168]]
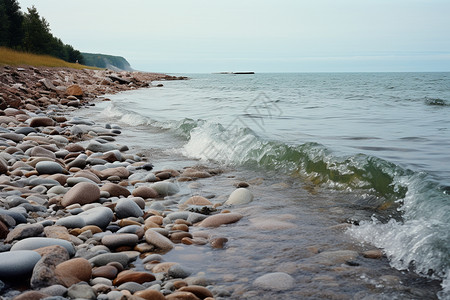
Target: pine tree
[[11, 19]]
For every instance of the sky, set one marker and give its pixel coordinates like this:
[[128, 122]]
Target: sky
[[203, 36]]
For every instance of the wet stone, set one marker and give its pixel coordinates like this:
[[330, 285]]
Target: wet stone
[[277, 281]]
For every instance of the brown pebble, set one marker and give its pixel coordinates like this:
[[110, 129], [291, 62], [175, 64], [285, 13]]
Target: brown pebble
[[156, 219], [145, 192], [218, 243], [31, 295], [127, 222], [116, 265], [179, 284], [373, 254], [150, 295], [133, 276], [177, 236], [181, 221], [162, 267], [182, 296], [109, 272], [182, 227], [73, 271], [198, 291]]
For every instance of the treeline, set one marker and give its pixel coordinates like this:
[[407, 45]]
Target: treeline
[[31, 33]]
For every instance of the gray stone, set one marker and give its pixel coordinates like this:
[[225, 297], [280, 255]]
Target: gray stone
[[152, 257], [40, 242], [18, 217], [74, 180], [133, 287], [179, 271], [116, 295], [81, 291], [277, 281], [71, 222], [99, 216], [48, 183], [49, 167], [54, 290], [154, 238], [95, 146], [17, 263], [113, 241], [24, 231], [44, 270], [128, 208], [103, 259], [164, 188]]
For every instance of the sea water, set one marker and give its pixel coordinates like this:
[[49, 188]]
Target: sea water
[[369, 149]]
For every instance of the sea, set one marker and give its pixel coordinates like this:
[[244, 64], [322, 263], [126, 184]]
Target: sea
[[337, 162]]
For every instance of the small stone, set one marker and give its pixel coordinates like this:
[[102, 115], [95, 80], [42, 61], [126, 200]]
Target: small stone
[[73, 271], [109, 272], [39, 151], [133, 276], [104, 259], [82, 193], [128, 208], [41, 122], [220, 219], [277, 281], [239, 196], [44, 271], [145, 192], [24, 231], [179, 271], [198, 291], [74, 90], [57, 232], [132, 287], [31, 295], [158, 240], [373, 254], [114, 241], [165, 188], [150, 294], [218, 243], [81, 291], [197, 200], [49, 167], [115, 190], [182, 296]]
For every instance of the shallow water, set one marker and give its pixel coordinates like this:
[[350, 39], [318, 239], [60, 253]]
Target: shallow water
[[320, 151]]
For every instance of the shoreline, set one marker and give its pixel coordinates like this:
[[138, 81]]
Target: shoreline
[[148, 213], [73, 214]]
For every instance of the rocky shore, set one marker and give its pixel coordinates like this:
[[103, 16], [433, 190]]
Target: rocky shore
[[76, 211]]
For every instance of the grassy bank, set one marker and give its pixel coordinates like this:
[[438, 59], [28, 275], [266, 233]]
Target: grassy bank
[[17, 58]]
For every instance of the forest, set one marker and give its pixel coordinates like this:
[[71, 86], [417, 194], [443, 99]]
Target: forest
[[29, 32]]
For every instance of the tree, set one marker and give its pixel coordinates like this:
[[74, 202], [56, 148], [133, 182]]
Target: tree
[[11, 19], [37, 38]]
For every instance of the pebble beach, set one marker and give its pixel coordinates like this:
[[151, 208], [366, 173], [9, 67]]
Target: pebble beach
[[84, 215], [76, 210]]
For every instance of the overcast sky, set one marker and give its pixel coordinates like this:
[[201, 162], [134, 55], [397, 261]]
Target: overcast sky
[[183, 36]]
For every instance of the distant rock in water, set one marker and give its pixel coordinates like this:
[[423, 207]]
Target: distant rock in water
[[115, 63], [436, 101]]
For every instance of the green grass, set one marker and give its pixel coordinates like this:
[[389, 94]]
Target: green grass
[[16, 58]]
